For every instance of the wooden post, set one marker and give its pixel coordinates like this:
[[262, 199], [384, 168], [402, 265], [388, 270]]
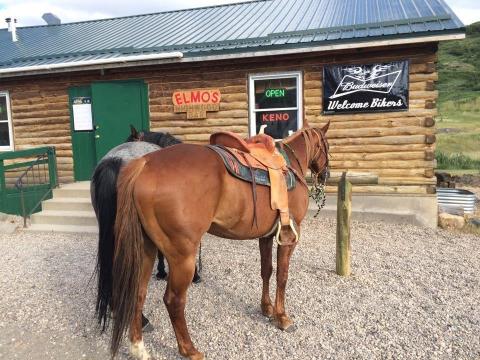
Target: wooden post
[[344, 211]]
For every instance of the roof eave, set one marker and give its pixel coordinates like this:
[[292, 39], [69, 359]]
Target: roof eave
[[213, 55]]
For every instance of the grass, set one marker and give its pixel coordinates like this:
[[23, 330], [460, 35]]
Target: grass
[[459, 148], [456, 161], [459, 68], [458, 145], [460, 172]]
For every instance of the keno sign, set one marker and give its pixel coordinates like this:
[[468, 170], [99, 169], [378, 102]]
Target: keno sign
[[365, 88], [196, 102]]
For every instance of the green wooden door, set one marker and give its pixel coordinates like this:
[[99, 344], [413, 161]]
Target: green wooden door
[[83, 142], [116, 105]]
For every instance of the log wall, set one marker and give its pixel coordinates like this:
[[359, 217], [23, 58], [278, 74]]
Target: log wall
[[398, 146]]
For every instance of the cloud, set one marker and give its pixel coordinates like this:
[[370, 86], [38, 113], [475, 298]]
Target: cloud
[[467, 10], [29, 12]]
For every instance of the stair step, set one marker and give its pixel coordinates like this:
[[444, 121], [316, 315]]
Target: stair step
[[73, 204], [81, 185], [54, 217], [67, 192], [62, 228]]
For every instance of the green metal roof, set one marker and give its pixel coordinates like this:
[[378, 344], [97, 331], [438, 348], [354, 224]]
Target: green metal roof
[[234, 28]]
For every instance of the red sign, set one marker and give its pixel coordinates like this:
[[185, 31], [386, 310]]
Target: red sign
[[196, 102], [278, 116]]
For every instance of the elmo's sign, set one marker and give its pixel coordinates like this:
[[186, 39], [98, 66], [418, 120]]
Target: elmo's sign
[[196, 102]]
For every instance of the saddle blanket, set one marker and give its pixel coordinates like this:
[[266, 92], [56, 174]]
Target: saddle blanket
[[242, 172]]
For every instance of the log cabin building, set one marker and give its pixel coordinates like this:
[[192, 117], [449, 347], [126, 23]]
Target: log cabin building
[[367, 66]]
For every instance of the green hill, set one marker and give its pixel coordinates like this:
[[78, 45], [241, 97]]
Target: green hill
[[458, 140], [459, 67]]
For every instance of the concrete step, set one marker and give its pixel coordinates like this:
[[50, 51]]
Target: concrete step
[[62, 228], [81, 185], [68, 192], [68, 204], [55, 217]]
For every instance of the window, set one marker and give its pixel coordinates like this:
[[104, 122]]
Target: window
[[276, 102], [6, 142]]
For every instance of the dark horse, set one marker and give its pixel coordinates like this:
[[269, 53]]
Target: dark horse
[[168, 199], [104, 201]]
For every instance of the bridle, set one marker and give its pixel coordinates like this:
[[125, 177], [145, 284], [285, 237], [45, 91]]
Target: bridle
[[309, 147], [317, 193]]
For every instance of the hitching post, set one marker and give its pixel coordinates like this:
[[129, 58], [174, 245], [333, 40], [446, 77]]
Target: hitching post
[[344, 211]]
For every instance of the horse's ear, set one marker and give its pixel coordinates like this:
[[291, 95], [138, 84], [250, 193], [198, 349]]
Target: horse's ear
[[325, 128], [133, 132]]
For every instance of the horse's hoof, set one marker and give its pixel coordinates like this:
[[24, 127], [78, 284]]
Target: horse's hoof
[[146, 325], [283, 322], [148, 328], [139, 352], [161, 276], [291, 329], [197, 279], [267, 310], [197, 356]]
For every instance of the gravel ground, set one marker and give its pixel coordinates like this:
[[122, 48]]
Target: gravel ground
[[414, 294]]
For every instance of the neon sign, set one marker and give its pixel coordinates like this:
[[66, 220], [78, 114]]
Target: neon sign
[[275, 93]]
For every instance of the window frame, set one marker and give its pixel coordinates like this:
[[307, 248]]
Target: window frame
[[9, 122], [252, 121]]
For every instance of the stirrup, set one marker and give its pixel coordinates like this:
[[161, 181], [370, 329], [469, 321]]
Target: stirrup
[[279, 228]]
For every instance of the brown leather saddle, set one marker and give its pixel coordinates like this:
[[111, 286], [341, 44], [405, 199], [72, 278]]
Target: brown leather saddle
[[259, 152]]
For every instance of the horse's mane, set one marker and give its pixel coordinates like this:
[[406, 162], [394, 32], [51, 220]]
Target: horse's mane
[[161, 139]]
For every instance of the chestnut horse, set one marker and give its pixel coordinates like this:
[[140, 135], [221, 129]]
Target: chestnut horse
[[169, 199]]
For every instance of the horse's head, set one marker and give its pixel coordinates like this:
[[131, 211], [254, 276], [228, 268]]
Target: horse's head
[[135, 135], [317, 143]]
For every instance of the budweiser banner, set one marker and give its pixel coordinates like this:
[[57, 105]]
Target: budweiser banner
[[365, 88]]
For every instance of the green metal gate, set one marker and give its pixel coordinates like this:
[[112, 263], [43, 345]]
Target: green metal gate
[[27, 177]]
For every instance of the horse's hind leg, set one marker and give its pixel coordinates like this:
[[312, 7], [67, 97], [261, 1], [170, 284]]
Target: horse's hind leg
[[284, 252], [266, 271], [181, 271], [137, 348], [161, 273]]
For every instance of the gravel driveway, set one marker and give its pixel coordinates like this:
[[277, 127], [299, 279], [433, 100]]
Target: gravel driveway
[[414, 294]]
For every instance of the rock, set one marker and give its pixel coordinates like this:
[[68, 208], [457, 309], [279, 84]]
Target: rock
[[448, 221], [7, 227], [475, 222]]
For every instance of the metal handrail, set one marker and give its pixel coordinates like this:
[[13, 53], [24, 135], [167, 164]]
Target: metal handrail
[[48, 157]]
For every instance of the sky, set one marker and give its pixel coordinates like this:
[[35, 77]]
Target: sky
[[29, 12]]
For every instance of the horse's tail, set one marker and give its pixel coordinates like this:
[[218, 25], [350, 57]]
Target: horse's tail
[[127, 260], [104, 200]]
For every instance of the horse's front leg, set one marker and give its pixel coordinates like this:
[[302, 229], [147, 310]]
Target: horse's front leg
[[266, 271], [281, 319], [137, 347]]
